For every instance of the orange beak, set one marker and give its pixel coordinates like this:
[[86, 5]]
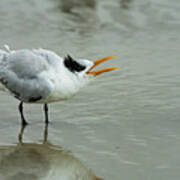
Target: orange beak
[[99, 61]]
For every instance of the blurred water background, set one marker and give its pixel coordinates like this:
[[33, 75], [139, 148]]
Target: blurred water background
[[125, 125]]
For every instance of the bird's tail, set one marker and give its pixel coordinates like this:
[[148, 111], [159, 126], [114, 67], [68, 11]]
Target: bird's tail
[[2, 55], [3, 52], [6, 51]]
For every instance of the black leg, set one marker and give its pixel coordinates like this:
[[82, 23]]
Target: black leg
[[45, 133], [23, 121], [46, 113], [20, 137]]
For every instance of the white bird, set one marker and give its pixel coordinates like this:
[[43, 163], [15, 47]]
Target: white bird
[[41, 76]]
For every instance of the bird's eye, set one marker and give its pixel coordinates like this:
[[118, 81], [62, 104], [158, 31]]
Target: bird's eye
[[73, 65]]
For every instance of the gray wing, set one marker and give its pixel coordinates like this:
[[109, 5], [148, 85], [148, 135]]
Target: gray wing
[[21, 73]]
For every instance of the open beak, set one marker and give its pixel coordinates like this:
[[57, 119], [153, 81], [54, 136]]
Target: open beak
[[99, 61]]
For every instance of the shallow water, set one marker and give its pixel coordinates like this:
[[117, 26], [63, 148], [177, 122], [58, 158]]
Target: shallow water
[[125, 125]]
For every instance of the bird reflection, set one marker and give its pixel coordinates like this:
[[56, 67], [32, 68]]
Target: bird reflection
[[30, 161]]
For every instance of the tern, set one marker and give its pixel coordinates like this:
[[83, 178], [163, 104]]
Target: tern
[[41, 76]]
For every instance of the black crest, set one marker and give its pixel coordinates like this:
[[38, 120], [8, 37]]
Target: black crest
[[73, 65]]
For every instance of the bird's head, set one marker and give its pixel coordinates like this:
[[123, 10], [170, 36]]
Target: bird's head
[[84, 69], [80, 72]]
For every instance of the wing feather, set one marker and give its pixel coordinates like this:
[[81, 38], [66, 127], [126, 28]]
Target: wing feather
[[21, 73]]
